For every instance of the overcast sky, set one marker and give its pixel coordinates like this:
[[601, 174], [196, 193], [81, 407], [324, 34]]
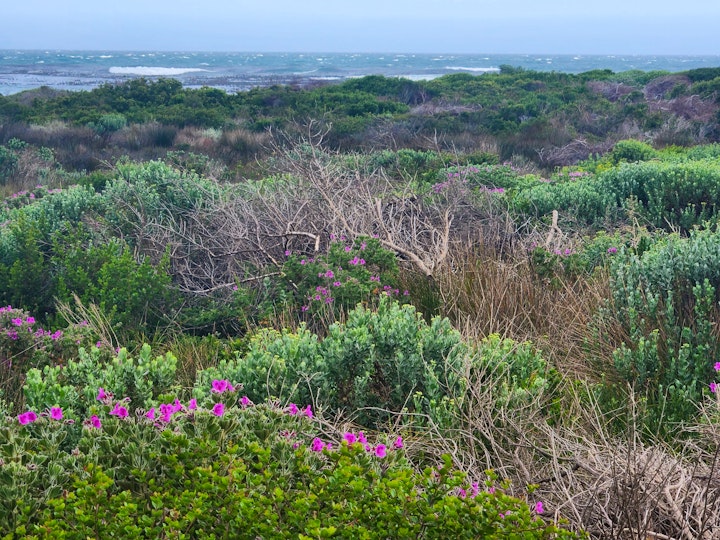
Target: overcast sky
[[432, 26]]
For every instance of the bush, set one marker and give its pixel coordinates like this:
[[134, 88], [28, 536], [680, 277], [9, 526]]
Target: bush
[[242, 472], [630, 151], [349, 273], [666, 299], [370, 365], [145, 380], [108, 123]]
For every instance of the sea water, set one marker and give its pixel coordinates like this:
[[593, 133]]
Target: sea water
[[232, 72]]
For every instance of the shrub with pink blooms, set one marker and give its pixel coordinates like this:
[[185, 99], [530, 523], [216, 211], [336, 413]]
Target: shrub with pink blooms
[[351, 271], [144, 378], [249, 471], [25, 344]]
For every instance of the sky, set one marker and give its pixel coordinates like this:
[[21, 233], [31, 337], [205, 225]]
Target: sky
[[402, 26]]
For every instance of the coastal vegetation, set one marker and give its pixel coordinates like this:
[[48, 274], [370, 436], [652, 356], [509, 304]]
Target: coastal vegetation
[[477, 306]]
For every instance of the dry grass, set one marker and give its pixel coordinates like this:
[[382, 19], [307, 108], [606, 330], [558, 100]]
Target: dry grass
[[611, 486], [484, 292]]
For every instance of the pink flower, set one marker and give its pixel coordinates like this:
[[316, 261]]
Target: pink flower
[[474, 489], [398, 443], [193, 404], [119, 411], [538, 508], [17, 322], [218, 409], [717, 366], [350, 438], [101, 394], [177, 406], [381, 450], [150, 414], [56, 413], [27, 417], [245, 402], [317, 445], [293, 409], [95, 422], [361, 437], [221, 386], [713, 387], [308, 411], [612, 250], [30, 320]]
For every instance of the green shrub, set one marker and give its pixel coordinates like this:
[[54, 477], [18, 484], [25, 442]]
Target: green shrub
[[666, 299], [108, 123], [349, 273], [372, 363], [74, 387], [244, 472], [630, 151]]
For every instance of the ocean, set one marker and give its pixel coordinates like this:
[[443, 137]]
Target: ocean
[[232, 72]]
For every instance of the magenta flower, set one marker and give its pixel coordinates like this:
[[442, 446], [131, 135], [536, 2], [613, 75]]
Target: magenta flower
[[17, 322], [308, 411], [167, 410], [245, 402], [56, 413], [101, 394], [474, 489], [95, 422], [398, 443], [221, 386], [119, 411], [30, 320], [713, 387], [612, 250], [381, 450], [717, 366], [218, 409], [177, 406], [538, 507], [350, 438], [317, 445], [361, 437], [193, 404], [27, 417], [293, 409], [150, 414]]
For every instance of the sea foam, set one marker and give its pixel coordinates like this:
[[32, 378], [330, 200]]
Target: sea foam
[[473, 69], [152, 71]]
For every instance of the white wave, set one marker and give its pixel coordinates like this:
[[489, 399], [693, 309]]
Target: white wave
[[105, 56], [152, 71], [477, 69]]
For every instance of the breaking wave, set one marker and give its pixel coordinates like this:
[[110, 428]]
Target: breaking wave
[[152, 71]]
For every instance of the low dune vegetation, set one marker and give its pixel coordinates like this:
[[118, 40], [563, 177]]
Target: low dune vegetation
[[477, 306]]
